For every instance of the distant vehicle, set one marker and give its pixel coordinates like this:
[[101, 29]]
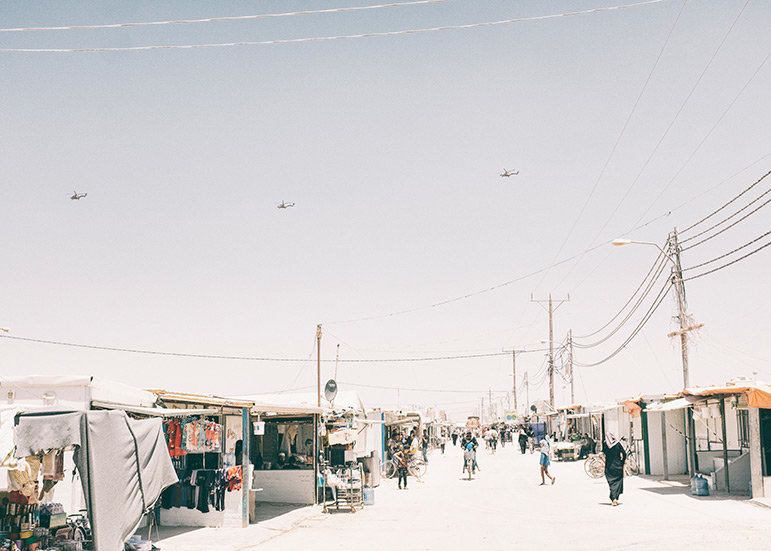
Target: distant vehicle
[[284, 205], [77, 196], [507, 173]]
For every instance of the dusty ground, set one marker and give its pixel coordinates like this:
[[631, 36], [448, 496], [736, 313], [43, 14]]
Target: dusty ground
[[504, 507]]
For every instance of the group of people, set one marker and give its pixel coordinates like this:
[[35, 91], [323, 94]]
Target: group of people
[[402, 448]]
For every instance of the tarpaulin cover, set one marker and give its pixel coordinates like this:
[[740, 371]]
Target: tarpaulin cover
[[757, 396], [633, 408], [124, 464]]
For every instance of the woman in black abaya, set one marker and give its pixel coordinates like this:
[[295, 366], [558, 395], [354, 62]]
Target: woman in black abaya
[[615, 456]]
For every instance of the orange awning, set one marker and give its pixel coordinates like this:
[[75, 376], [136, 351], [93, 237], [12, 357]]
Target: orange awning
[[757, 396], [632, 407]]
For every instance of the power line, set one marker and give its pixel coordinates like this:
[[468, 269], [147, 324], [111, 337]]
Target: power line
[[643, 321], [628, 316], [714, 212], [737, 249], [217, 19], [339, 37], [248, 358], [656, 263], [400, 388], [672, 123], [708, 134], [623, 131], [753, 211], [729, 263]]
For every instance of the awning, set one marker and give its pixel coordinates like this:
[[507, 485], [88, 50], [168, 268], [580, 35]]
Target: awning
[[157, 412], [679, 403], [758, 396]]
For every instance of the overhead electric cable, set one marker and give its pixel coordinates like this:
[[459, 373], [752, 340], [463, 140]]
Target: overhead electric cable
[[707, 135], [726, 219], [643, 321], [656, 263], [729, 263], [673, 121], [621, 134], [725, 205], [627, 317], [737, 249], [339, 37], [728, 227], [248, 358], [217, 19], [485, 391]]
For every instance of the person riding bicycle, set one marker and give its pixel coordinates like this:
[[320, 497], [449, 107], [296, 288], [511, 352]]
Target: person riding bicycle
[[469, 443]]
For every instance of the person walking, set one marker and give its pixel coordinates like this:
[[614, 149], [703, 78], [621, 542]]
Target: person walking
[[522, 440], [615, 457], [442, 442], [454, 437], [545, 461], [424, 446]]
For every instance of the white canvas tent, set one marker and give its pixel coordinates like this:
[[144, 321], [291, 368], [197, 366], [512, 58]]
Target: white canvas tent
[[124, 464]]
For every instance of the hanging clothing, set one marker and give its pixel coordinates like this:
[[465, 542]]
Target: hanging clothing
[[615, 456]]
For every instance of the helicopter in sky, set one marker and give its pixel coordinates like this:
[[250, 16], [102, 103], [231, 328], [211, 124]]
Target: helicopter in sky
[[77, 196], [507, 173], [284, 205]]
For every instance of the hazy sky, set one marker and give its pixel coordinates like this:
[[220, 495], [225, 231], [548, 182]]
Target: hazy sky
[[391, 149]]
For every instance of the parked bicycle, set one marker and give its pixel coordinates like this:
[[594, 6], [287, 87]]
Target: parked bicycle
[[416, 467], [594, 466]]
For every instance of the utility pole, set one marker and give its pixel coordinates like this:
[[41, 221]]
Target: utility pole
[[318, 365], [551, 342], [570, 364], [527, 392], [683, 318], [514, 353]]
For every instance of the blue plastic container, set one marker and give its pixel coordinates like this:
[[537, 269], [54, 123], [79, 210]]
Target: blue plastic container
[[699, 486]]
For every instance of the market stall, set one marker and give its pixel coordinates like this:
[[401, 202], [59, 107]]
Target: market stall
[[123, 465]]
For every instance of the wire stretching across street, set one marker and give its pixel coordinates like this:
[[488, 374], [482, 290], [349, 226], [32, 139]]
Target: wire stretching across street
[[737, 249], [727, 204], [218, 19], [660, 259], [753, 211], [338, 37], [250, 358], [657, 303], [729, 263]]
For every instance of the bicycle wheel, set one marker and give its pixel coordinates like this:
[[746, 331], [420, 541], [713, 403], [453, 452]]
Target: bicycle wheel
[[419, 468], [389, 469], [631, 468], [596, 467]]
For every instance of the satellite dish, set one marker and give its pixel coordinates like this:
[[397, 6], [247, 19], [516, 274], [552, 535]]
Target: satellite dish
[[330, 390], [533, 408]]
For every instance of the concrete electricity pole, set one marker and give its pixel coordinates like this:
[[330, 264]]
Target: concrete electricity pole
[[551, 342]]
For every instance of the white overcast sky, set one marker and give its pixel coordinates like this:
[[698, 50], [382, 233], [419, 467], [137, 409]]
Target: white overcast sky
[[391, 148]]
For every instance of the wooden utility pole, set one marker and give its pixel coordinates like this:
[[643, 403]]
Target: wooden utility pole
[[318, 365], [570, 367], [551, 343], [514, 352], [685, 327], [527, 392]]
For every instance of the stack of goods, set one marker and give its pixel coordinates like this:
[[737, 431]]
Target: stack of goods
[[17, 521]]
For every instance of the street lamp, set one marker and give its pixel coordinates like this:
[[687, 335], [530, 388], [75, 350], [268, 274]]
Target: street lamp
[[4, 329]]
